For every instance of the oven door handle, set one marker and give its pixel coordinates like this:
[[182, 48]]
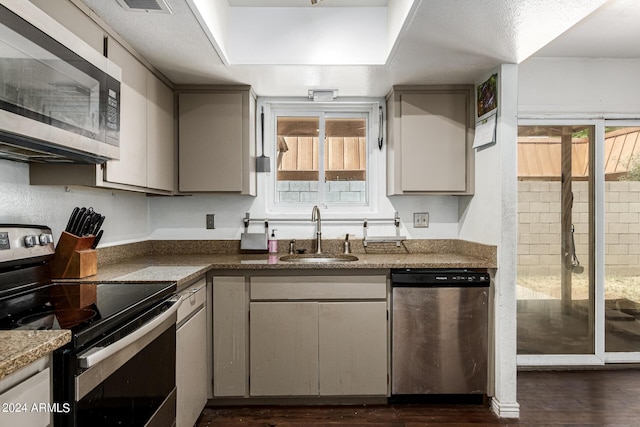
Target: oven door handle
[[99, 354]]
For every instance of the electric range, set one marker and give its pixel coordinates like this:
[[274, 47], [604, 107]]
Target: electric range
[[123, 334]]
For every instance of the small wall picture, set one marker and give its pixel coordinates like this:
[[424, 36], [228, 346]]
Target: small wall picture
[[487, 96]]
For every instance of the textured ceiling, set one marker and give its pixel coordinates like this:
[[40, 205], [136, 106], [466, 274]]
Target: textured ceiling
[[613, 31], [444, 42]]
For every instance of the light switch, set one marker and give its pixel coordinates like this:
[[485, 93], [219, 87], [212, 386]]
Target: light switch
[[421, 220]]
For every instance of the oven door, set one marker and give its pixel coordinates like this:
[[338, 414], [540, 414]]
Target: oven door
[[129, 382]]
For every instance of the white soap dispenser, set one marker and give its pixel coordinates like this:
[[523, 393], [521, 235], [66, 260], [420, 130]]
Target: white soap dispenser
[[272, 244]]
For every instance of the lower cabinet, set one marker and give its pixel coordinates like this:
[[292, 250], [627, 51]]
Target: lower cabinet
[[191, 356], [318, 335], [353, 348], [318, 348], [284, 348], [230, 323], [23, 393], [300, 336]]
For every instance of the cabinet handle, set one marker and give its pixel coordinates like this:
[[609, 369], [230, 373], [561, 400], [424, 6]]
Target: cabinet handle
[[380, 128], [192, 295]]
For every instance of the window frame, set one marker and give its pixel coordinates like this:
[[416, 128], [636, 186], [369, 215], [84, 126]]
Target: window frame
[[366, 108]]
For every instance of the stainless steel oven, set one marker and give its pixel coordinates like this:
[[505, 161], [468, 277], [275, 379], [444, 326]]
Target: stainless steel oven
[[122, 381], [59, 98], [119, 368]]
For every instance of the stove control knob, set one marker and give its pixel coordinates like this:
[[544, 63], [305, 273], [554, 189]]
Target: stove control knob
[[30, 241], [45, 239]]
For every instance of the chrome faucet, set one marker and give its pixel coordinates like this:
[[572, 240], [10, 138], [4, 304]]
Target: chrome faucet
[[315, 217]]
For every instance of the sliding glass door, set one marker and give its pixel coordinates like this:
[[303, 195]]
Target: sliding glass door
[[578, 286], [622, 241], [555, 289]]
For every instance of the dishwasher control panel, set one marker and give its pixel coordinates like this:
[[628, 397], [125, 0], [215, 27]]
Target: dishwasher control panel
[[434, 277]]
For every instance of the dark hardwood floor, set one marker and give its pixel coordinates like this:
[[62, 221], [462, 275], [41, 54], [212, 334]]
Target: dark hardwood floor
[[547, 398]]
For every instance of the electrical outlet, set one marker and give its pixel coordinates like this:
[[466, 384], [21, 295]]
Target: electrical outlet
[[211, 221], [421, 220]]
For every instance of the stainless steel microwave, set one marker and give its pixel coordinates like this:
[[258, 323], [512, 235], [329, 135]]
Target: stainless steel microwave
[[59, 98]]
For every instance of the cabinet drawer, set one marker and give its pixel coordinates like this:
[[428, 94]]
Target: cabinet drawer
[[193, 297], [318, 287]]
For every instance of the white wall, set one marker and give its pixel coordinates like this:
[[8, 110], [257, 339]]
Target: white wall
[[569, 87], [126, 213], [184, 217], [303, 35], [397, 13], [490, 217], [214, 20]]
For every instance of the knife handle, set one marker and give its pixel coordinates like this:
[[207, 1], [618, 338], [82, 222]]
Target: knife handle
[[97, 225], [82, 226], [75, 228], [97, 239], [72, 219], [89, 224]]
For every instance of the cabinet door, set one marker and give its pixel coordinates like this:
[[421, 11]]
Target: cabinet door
[[284, 348], [160, 135], [433, 129], [131, 169], [191, 369], [353, 348], [230, 347], [73, 18], [210, 142], [35, 390]]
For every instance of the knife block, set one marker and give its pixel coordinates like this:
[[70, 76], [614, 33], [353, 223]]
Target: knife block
[[74, 258]]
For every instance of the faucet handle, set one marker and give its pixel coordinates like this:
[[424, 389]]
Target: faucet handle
[[292, 247], [347, 245]]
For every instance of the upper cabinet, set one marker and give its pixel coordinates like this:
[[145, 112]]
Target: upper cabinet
[[73, 16], [160, 135], [147, 122], [131, 169], [430, 134], [216, 140], [147, 149]]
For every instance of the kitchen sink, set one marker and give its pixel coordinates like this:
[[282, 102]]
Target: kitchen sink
[[319, 258]]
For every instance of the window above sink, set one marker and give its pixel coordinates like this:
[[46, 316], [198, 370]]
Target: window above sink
[[323, 153]]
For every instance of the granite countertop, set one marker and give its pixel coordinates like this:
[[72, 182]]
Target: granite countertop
[[184, 268], [20, 348]]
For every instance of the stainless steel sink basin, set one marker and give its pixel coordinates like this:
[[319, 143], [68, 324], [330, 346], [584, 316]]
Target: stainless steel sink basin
[[328, 258]]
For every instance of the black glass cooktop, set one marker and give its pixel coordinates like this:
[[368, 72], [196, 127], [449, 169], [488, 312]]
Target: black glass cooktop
[[87, 309]]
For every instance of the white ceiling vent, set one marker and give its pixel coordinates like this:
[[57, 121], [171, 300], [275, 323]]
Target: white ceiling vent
[[150, 6]]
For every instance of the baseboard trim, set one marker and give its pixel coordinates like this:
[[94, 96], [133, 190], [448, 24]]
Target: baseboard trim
[[505, 410]]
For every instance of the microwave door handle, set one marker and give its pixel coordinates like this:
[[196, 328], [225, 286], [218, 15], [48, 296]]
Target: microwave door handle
[[99, 354]]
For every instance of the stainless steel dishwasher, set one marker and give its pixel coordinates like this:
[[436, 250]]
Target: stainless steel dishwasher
[[439, 332]]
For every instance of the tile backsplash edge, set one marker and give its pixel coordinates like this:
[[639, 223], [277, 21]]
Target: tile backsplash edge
[[117, 253]]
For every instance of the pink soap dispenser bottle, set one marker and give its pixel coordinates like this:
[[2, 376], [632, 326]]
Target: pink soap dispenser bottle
[[272, 243]]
